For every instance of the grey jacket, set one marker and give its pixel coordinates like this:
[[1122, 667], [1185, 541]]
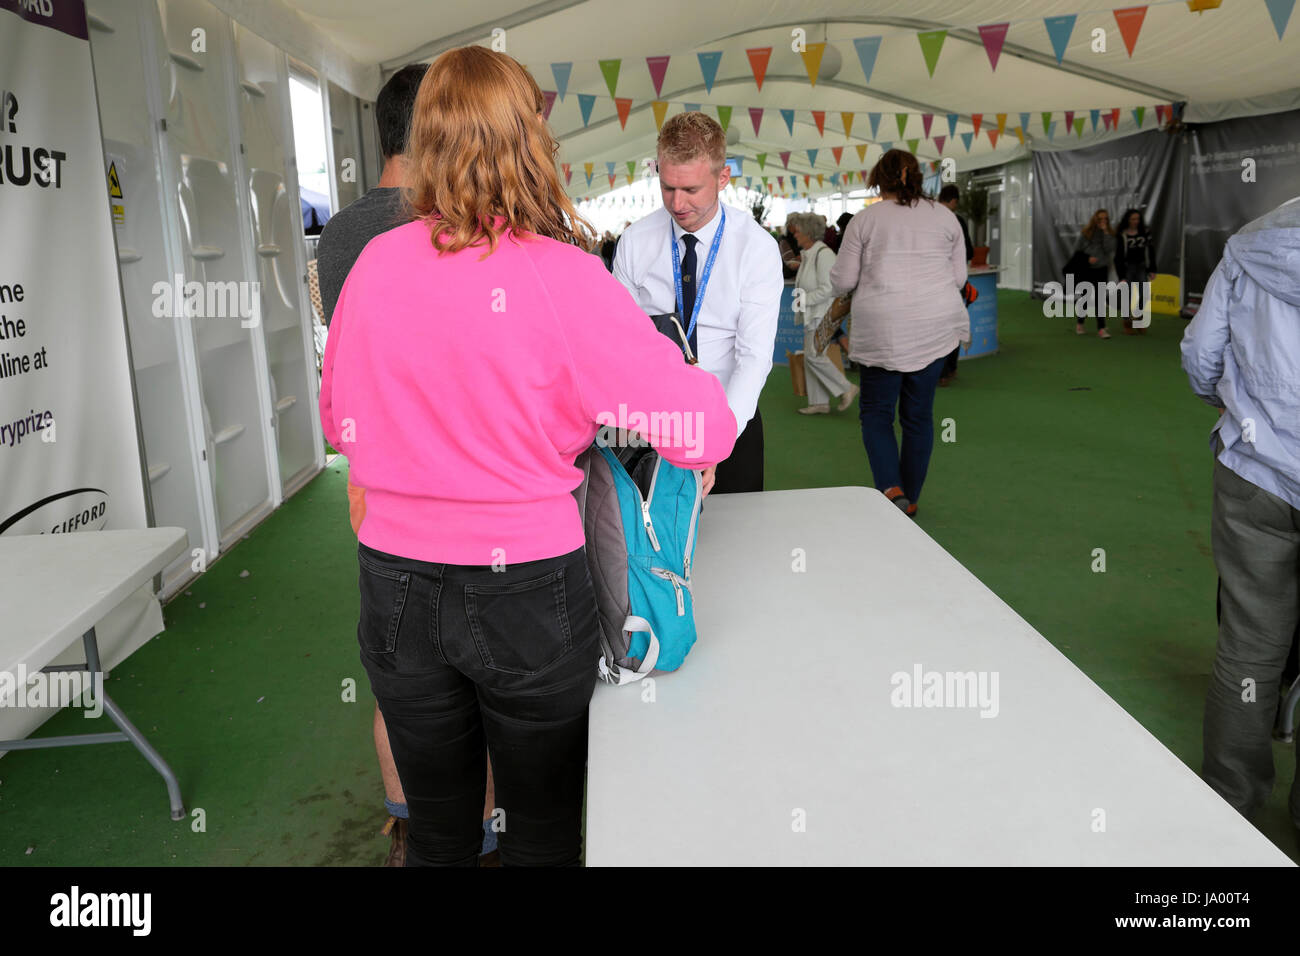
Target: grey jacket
[[1101, 245]]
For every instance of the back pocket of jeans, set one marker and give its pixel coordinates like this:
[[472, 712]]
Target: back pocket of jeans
[[520, 628], [383, 597]]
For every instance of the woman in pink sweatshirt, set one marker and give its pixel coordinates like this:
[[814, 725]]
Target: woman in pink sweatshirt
[[471, 353]]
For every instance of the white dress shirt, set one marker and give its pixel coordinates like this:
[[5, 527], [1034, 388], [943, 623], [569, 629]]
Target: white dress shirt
[[736, 326]]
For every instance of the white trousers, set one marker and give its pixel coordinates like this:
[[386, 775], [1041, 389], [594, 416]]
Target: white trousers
[[823, 378]]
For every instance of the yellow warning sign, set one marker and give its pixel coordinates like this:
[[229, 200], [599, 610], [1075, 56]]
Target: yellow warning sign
[[114, 184]]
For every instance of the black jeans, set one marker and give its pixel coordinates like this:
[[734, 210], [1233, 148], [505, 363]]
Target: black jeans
[[464, 659]]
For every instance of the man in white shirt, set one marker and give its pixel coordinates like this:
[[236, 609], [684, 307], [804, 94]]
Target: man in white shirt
[[731, 280]]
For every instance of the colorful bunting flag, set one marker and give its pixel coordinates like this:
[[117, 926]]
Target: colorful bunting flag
[[568, 172], [902, 122], [867, 48], [875, 123], [812, 60], [931, 46], [762, 160], [1094, 115], [658, 67], [1069, 119], [939, 141], [1280, 12], [561, 73], [837, 152], [585, 102], [756, 117], [1024, 121], [548, 98], [812, 157], [819, 117], [862, 152], [1058, 31], [624, 106], [785, 158], [994, 35], [847, 119], [758, 57], [1078, 127], [966, 138], [975, 119], [609, 69], [926, 120], [709, 68], [912, 144], [660, 108], [1002, 123], [952, 125], [788, 116], [1139, 114], [1130, 25], [993, 138], [724, 117], [1047, 119]]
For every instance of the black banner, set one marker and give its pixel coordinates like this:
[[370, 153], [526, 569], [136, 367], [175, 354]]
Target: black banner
[[1143, 172], [1238, 170]]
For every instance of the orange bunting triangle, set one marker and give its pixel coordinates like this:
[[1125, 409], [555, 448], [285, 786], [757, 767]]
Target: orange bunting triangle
[[758, 57], [624, 107]]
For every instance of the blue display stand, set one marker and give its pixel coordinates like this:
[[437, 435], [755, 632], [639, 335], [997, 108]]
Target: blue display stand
[[983, 314], [788, 335]]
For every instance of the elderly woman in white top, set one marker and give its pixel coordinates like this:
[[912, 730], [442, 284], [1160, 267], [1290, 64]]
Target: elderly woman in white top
[[813, 284], [906, 258]]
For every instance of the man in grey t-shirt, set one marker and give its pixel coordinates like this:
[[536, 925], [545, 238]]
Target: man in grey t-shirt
[[380, 209]]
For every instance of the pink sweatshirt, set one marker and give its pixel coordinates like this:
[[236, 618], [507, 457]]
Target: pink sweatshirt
[[461, 389]]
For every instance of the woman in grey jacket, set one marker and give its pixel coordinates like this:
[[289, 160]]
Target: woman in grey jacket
[[1097, 242]]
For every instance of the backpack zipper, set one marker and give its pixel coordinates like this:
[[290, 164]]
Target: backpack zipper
[[677, 583], [645, 507], [690, 535]]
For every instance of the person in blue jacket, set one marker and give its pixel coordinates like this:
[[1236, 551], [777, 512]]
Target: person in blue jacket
[[1242, 356]]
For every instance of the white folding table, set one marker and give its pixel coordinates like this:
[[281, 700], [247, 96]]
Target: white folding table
[[783, 740], [54, 588]]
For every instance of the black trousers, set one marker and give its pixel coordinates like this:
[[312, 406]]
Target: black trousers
[[743, 471], [466, 660]]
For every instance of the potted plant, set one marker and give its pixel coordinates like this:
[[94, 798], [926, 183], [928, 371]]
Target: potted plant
[[973, 204]]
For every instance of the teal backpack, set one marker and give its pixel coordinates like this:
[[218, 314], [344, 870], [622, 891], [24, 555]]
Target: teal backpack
[[640, 514]]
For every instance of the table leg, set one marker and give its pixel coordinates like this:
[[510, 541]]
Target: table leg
[[132, 734]]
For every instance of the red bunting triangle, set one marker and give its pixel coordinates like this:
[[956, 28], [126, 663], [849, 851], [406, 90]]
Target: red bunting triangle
[[1069, 119], [1114, 117], [611, 180], [819, 117], [975, 119], [993, 138], [624, 107], [993, 36], [939, 141], [837, 152], [758, 57], [658, 67], [756, 117], [1130, 25], [806, 180], [785, 158], [926, 120]]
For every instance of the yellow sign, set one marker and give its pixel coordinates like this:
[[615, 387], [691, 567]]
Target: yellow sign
[[114, 184]]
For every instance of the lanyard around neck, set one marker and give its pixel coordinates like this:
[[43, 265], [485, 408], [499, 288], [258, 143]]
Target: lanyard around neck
[[704, 276]]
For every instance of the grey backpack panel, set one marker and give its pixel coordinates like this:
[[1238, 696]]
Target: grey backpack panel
[[606, 553]]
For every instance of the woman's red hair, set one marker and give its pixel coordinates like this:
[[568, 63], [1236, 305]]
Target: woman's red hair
[[480, 158]]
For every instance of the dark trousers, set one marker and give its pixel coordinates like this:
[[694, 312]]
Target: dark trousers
[[1095, 277], [465, 660], [1256, 538], [913, 394], [743, 471]]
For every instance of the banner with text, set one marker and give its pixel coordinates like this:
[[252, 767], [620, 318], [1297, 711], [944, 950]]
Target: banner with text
[[1143, 172], [1239, 169], [69, 451]]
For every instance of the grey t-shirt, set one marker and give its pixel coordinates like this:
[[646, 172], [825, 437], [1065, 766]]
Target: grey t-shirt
[[347, 233]]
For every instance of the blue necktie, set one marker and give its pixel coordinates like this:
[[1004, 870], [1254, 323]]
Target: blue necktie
[[688, 288]]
